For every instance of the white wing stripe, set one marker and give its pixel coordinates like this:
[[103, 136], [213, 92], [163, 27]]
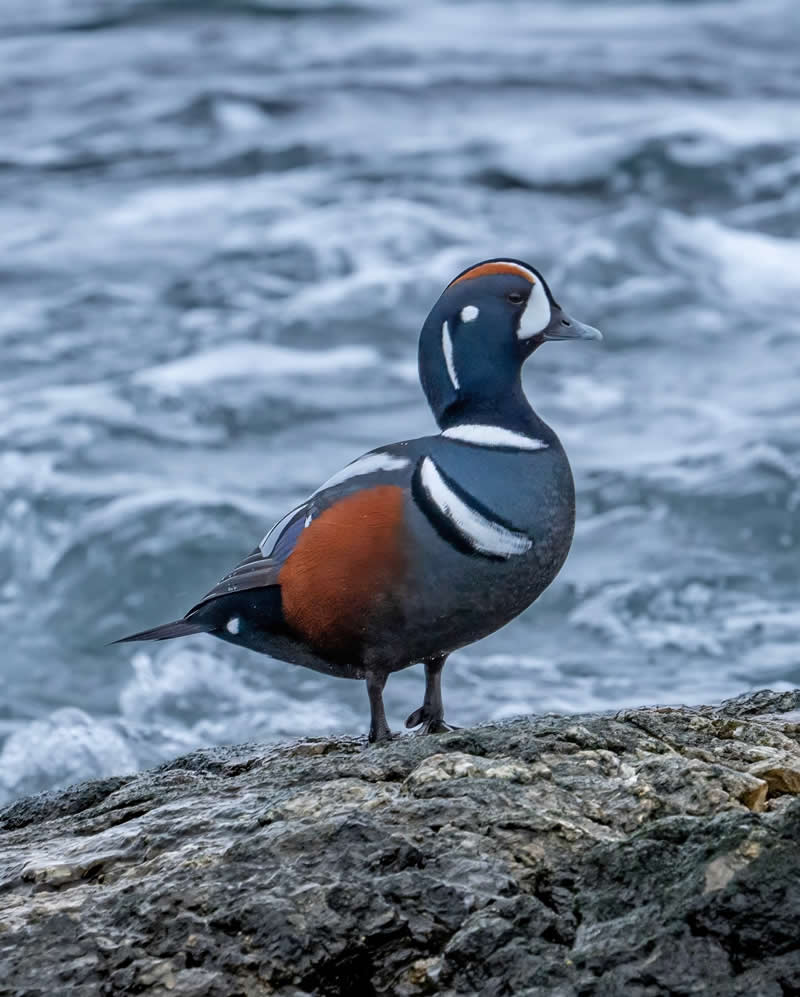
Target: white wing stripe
[[482, 534], [367, 464], [364, 465], [277, 529]]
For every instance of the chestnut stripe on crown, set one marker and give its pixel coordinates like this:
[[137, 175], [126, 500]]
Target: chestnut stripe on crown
[[499, 266]]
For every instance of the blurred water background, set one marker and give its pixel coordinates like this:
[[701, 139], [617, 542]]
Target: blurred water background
[[221, 226]]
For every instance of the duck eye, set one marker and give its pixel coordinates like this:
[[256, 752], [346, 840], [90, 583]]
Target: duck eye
[[514, 297]]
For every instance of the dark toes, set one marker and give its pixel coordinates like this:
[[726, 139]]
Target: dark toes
[[381, 737], [436, 726], [432, 723]]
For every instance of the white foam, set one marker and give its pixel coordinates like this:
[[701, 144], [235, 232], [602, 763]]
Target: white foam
[[60, 748], [589, 395], [115, 517], [245, 360], [753, 268], [239, 115], [180, 697]]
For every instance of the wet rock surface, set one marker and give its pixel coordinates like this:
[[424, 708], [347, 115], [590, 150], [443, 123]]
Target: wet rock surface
[[650, 852]]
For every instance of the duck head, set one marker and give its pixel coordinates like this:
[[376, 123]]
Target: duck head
[[488, 321]]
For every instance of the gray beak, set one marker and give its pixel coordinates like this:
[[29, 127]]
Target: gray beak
[[563, 326]]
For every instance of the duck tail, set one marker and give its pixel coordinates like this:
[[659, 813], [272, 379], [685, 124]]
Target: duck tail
[[178, 628]]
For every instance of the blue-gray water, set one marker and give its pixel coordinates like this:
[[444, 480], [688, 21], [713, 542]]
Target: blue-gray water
[[221, 227]]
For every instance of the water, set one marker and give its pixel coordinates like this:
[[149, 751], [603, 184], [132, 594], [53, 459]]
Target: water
[[221, 227]]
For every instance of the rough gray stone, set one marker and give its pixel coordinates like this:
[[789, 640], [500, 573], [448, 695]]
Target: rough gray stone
[[655, 852]]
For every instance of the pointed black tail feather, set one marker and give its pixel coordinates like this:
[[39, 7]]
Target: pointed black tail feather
[[179, 628]]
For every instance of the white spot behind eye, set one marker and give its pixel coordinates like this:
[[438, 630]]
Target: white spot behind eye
[[469, 313], [232, 626], [447, 349], [536, 316]]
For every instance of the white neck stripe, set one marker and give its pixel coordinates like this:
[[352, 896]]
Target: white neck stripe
[[493, 436], [447, 349]]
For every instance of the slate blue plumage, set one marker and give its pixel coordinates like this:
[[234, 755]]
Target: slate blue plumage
[[420, 547]]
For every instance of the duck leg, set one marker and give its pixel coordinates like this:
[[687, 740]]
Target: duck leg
[[431, 713], [378, 727]]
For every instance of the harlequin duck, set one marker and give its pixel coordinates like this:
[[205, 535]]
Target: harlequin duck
[[420, 547]]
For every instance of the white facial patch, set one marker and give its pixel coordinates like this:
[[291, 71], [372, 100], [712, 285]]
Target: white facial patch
[[480, 533], [493, 436], [447, 350], [469, 313], [536, 316], [232, 626], [364, 465]]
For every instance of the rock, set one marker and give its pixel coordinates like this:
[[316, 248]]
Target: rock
[[781, 773], [649, 853]]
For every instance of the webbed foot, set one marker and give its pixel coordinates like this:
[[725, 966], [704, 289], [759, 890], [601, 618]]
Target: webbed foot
[[429, 722], [382, 736], [430, 716]]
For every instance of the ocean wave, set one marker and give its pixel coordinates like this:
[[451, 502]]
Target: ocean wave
[[248, 360], [65, 746], [97, 15], [219, 244]]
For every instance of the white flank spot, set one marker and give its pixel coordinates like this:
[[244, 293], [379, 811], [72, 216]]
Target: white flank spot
[[536, 316], [367, 464], [493, 436], [232, 626], [482, 534], [469, 313], [447, 349]]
